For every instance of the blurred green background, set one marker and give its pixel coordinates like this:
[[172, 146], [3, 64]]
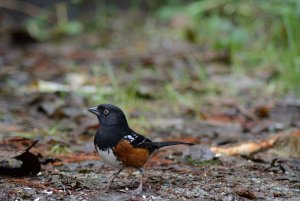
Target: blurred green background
[[187, 48]]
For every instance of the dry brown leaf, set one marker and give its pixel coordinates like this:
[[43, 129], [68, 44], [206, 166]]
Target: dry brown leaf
[[280, 140], [18, 162]]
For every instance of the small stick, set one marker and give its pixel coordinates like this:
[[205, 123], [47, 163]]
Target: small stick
[[32, 145]]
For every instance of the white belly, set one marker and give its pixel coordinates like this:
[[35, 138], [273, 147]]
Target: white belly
[[109, 157]]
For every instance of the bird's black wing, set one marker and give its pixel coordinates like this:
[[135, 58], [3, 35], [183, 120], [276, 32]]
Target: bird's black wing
[[138, 140]]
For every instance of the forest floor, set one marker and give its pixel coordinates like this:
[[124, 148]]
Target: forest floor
[[247, 138]]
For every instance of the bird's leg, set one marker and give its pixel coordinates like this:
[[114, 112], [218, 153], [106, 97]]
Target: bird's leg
[[112, 179], [138, 191]]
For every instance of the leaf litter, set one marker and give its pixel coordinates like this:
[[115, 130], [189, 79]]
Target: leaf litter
[[249, 150]]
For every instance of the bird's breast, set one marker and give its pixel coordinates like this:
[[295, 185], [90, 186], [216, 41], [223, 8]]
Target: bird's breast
[[108, 156]]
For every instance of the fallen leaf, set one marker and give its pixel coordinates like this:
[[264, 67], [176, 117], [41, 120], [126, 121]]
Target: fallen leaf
[[285, 143], [19, 163]]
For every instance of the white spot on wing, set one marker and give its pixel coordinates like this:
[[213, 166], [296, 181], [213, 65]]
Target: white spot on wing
[[129, 137], [109, 157], [142, 141]]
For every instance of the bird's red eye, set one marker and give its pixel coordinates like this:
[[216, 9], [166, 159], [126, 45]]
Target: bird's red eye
[[105, 112]]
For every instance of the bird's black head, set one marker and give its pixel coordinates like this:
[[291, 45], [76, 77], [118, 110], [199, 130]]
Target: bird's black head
[[109, 115]]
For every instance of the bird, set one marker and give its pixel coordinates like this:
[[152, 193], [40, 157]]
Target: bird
[[120, 146]]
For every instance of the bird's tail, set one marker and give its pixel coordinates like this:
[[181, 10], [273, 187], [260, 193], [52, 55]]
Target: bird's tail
[[164, 144]]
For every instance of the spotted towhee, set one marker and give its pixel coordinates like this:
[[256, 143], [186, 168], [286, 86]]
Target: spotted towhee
[[120, 146]]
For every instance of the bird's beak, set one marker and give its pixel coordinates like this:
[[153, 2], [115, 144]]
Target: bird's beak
[[94, 110]]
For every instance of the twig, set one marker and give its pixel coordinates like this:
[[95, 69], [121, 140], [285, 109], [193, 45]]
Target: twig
[[32, 145]]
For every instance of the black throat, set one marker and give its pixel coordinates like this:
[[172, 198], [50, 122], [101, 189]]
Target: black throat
[[107, 136]]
